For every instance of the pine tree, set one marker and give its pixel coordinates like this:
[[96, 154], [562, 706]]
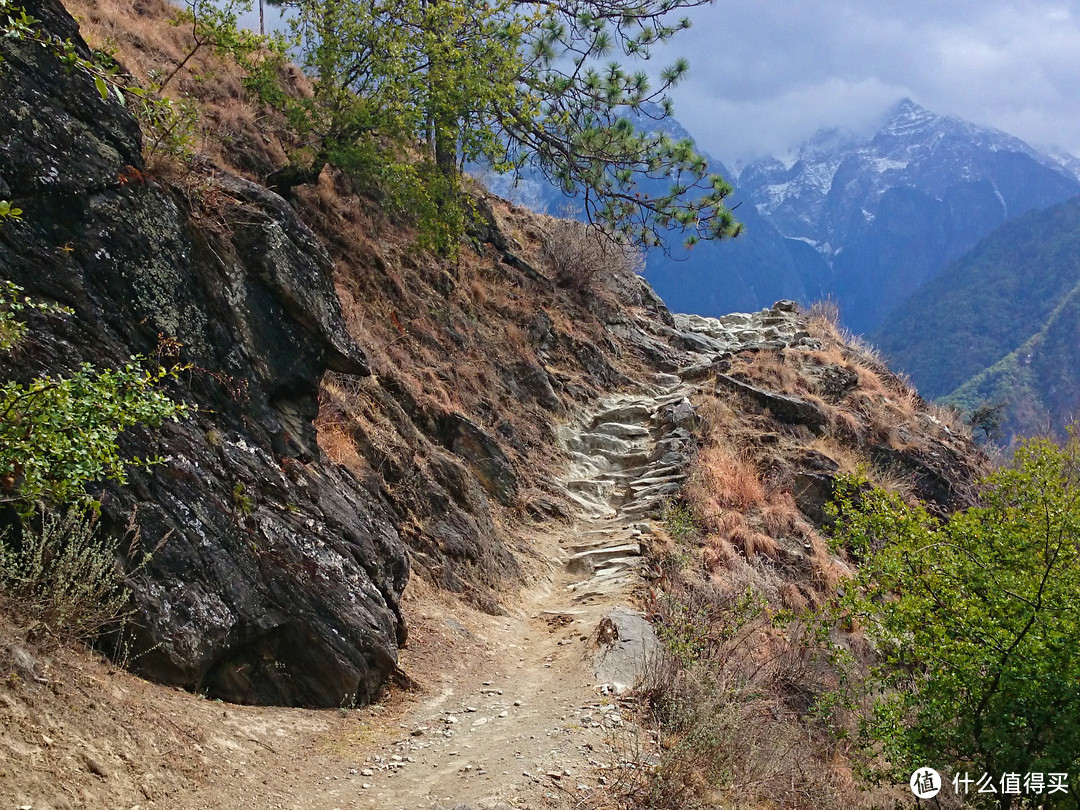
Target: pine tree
[[508, 83]]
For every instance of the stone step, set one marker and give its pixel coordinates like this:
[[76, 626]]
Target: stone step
[[617, 567], [602, 581], [667, 381], [591, 442], [669, 398], [596, 556], [625, 460], [621, 430], [641, 507], [652, 470], [590, 486], [617, 535], [586, 465], [656, 489], [592, 507], [627, 413], [656, 479]]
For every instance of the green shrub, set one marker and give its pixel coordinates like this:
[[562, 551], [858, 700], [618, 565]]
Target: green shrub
[[976, 620], [59, 433], [679, 521], [63, 576]]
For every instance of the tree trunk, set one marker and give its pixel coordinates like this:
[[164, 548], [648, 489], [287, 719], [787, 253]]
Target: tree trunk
[[446, 146]]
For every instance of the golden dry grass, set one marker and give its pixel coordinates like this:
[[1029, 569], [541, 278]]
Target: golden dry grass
[[769, 370], [779, 514], [723, 480], [229, 128]]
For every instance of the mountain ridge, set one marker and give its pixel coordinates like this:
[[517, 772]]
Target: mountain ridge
[[888, 211], [881, 213], [982, 329]]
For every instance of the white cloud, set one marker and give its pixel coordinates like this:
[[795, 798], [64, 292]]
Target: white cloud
[[766, 75]]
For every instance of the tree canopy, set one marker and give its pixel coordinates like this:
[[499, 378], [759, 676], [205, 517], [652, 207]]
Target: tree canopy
[[402, 88]]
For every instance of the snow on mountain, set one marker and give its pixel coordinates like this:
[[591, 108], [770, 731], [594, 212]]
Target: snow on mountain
[[864, 219], [914, 147], [888, 211]]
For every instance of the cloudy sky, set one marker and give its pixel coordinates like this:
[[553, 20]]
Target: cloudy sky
[[766, 75]]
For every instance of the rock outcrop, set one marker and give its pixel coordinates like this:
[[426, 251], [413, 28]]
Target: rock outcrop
[[274, 577]]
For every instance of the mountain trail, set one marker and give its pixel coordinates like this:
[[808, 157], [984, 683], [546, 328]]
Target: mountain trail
[[541, 719], [527, 709]]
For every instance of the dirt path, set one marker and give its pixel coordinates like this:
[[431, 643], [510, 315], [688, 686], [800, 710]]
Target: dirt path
[[537, 721], [516, 711], [522, 710]]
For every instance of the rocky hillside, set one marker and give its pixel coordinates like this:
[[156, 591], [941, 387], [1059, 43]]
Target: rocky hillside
[[388, 441]]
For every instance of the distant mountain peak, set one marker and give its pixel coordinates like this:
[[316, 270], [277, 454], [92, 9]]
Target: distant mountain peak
[[906, 108], [907, 117], [827, 141]]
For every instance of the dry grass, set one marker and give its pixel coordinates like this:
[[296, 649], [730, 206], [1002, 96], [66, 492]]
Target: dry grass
[[229, 128], [769, 370], [779, 514], [723, 479], [845, 427], [951, 417], [732, 697]]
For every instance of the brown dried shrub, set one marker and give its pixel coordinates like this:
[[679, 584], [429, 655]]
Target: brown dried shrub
[[723, 480], [779, 514], [578, 254]]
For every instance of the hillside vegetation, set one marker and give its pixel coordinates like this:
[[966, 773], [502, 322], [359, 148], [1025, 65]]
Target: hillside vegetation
[[435, 492], [998, 325]]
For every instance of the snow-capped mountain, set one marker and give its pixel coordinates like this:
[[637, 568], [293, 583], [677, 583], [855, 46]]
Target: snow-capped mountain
[[836, 175], [888, 212], [866, 220]]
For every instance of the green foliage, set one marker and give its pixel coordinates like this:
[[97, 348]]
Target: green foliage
[[679, 521], [17, 24], [214, 27], [12, 305], [59, 433], [504, 83], [241, 500], [976, 620], [986, 417], [64, 575], [9, 211]]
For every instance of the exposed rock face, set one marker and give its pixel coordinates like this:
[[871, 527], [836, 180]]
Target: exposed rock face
[[275, 577], [791, 410]]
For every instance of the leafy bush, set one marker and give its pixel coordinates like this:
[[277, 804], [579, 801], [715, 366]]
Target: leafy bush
[[59, 433], [56, 435], [976, 619]]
